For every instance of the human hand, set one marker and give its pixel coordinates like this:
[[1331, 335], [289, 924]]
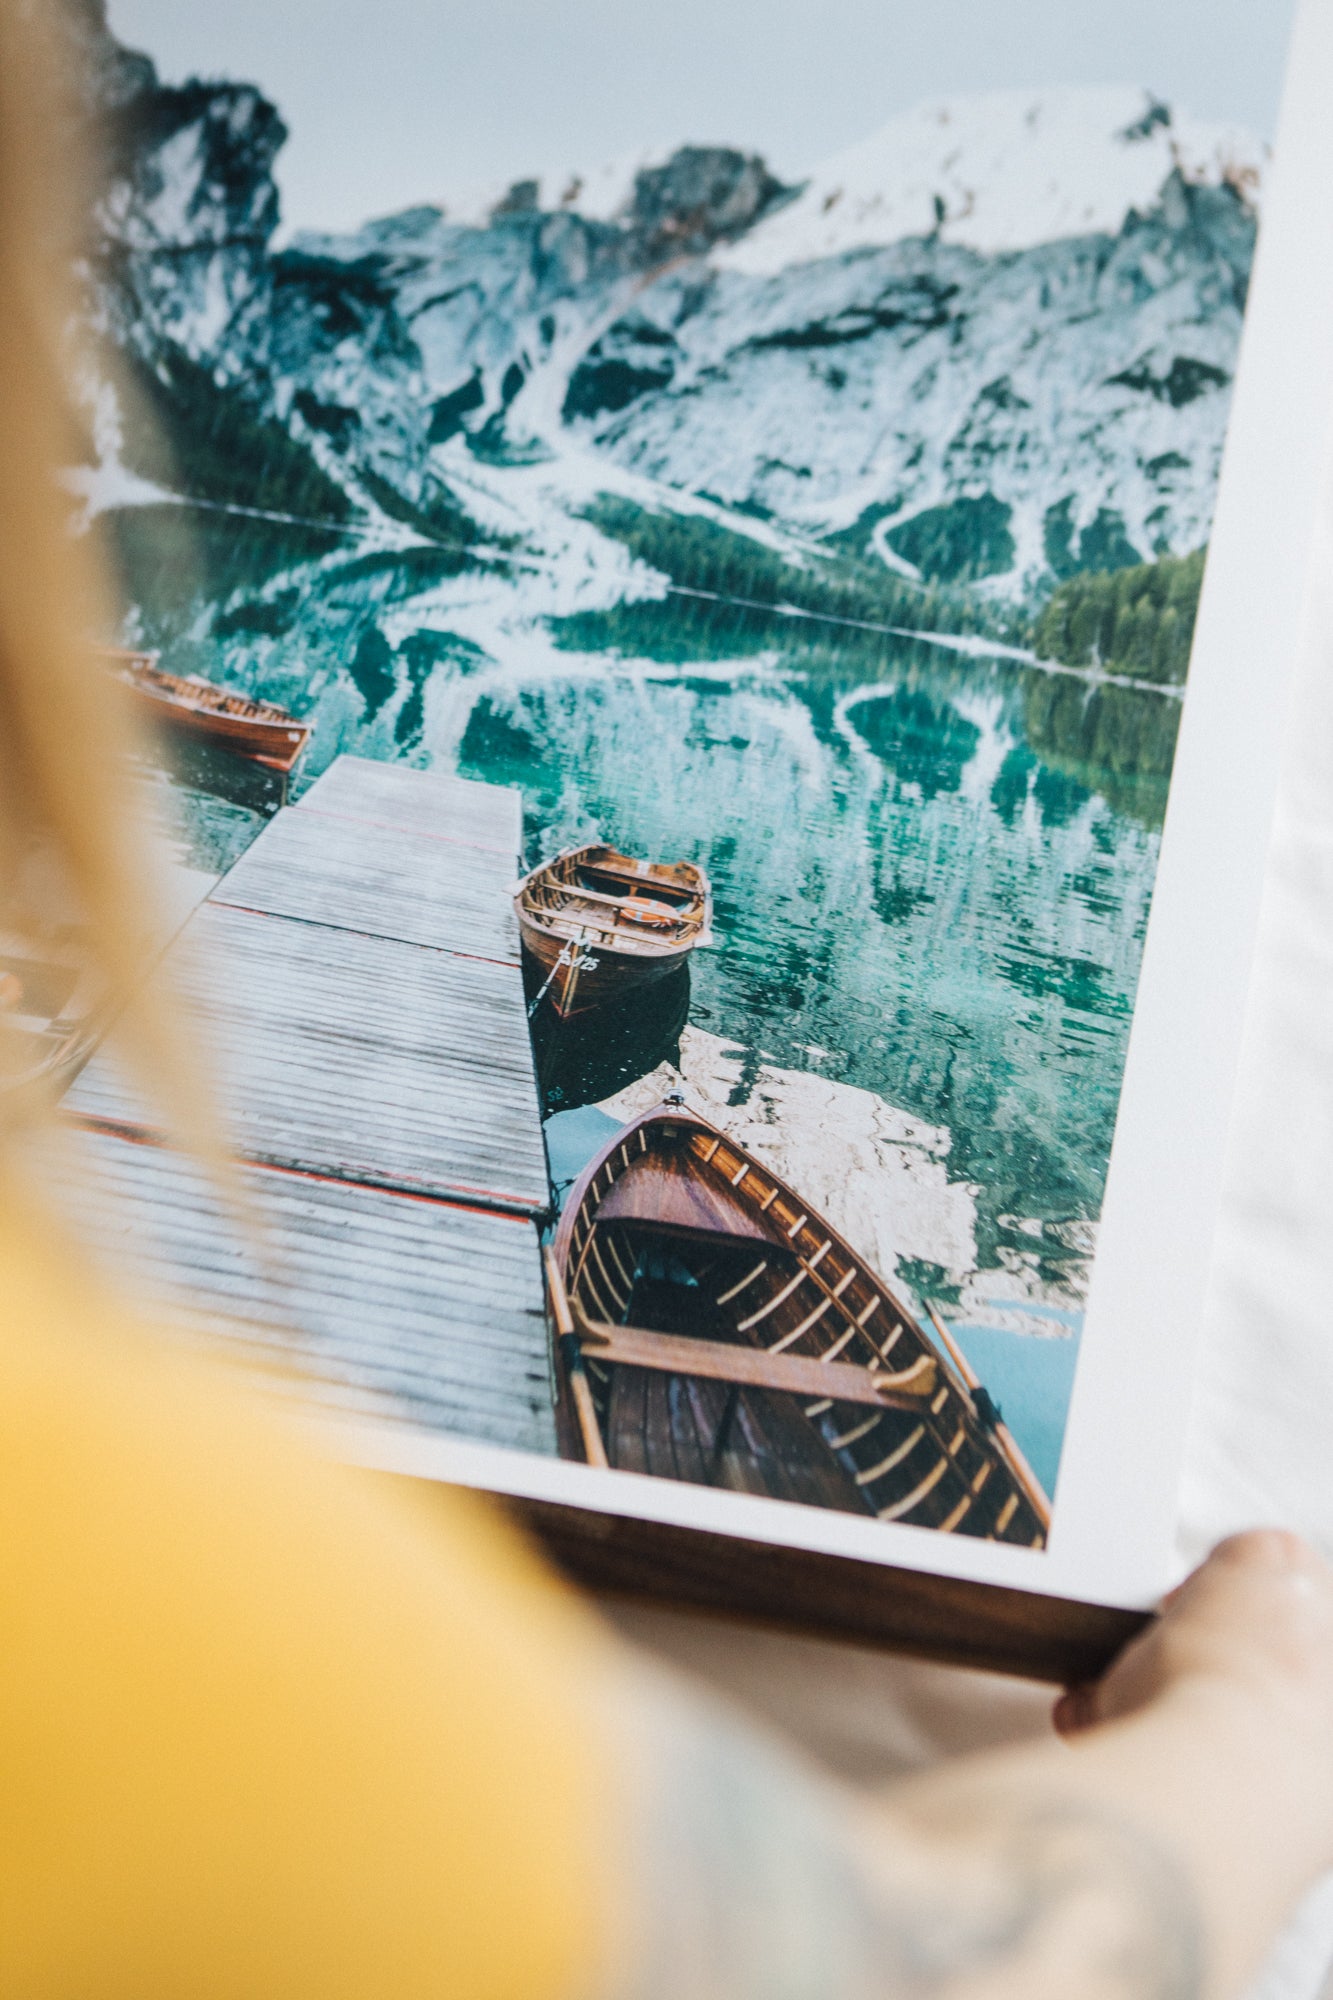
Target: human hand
[[1255, 1620], [1191, 1811]]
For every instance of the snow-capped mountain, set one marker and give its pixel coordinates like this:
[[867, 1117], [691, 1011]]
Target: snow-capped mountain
[[1043, 410], [1001, 171], [991, 344]]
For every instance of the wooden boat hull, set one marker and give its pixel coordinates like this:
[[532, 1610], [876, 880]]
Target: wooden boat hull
[[597, 924], [592, 975], [277, 746], [259, 731], [712, 1328]]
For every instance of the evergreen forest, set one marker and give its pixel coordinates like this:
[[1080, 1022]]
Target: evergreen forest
[[1137, 621]]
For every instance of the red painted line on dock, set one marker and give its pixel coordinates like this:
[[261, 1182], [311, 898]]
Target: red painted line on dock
[[509, 1213], [505, 1207], [353, 930], [118, 1128]]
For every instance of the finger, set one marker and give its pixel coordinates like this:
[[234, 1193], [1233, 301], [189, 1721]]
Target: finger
[[1254, 1551], [1272, 1549]]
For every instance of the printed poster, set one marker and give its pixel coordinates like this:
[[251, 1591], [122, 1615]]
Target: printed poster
[[834, 526]]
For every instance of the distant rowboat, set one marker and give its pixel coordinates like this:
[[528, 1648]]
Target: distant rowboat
[[595, 922], [712, 1328], [259, 730]]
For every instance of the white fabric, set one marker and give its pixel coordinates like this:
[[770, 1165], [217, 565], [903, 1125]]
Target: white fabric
[[1259, 1445]]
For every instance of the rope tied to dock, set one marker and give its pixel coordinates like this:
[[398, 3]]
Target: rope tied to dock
[[574, 957]]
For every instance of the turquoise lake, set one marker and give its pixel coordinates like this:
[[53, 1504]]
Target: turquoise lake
[[932, 869]]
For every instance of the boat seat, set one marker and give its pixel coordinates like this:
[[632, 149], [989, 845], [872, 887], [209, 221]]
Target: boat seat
[[628, 904], [632, 888]]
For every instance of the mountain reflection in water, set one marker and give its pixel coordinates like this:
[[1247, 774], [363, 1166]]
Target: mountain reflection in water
[[915, 891], [932, 872]]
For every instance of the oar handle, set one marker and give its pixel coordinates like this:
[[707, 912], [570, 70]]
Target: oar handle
[[580, 1389]]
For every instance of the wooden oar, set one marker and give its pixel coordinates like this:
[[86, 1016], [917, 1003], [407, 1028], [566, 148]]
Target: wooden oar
[[572, 1354], [1004, 1437]]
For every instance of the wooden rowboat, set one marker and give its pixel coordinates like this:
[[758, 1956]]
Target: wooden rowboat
[[191, 706], [712, 1328], [595, 922]]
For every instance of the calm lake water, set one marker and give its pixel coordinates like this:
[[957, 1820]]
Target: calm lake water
[[932, 871]]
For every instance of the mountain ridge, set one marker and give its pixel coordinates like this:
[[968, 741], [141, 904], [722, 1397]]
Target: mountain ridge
[[993, 170], [978, 418]]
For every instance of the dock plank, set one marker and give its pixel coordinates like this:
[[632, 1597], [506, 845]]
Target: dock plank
[[446, 808], [388, 882], [413, 1311], [364, 1058], [357, 995]]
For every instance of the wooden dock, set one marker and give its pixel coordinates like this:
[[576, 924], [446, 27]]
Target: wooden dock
[[355, 980]]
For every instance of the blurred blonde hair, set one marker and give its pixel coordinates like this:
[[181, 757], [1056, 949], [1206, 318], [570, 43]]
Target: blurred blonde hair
[[70, 827]]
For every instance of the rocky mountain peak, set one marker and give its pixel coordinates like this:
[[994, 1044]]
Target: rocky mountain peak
[[197, 167], [678, 205], [701, 196], [184, 166], [188, 202]]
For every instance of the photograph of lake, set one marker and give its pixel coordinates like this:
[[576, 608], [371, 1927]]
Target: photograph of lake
[[837, 532]]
